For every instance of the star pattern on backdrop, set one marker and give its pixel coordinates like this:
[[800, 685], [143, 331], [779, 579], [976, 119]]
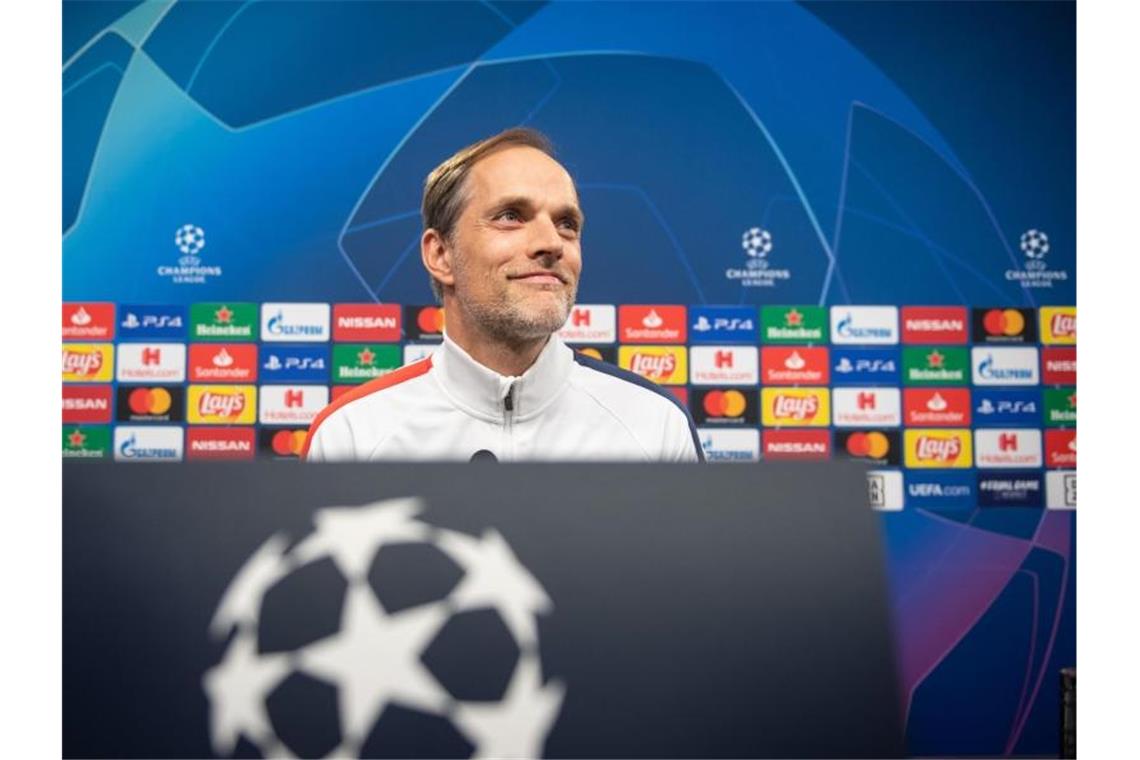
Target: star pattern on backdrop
[[237, 688], [517, 725], [495, 578], [352, 535], [375, 659]]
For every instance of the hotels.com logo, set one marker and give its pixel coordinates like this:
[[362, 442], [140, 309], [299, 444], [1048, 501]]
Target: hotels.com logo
[[590, 323], [1007, 448], [291, 405], [866, 407]]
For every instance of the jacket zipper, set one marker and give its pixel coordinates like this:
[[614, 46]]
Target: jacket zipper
[[508, 418]]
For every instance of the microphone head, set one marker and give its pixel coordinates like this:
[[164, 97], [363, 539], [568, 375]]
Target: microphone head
[[483, 455]]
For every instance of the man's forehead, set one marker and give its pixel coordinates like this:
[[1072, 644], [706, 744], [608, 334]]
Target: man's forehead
[[521, 170]]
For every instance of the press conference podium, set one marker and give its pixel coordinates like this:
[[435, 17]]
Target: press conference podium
[[483, 609]]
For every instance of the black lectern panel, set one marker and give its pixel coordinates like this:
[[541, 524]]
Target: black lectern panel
[[466, 610]]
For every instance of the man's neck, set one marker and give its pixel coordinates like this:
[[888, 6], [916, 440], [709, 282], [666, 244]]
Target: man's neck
[[508, 358]]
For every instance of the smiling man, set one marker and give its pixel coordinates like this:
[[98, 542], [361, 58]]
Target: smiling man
[[502, 244]]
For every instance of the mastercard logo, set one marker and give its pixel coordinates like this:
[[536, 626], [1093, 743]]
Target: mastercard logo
[[289, 443], [725, 403], [150, 401], [1003, 322], [430, 319], [873, 445]]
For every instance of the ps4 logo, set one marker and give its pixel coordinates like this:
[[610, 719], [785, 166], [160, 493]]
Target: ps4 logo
[[274, 363], [845, 365], [722, 323], [1007, 407]]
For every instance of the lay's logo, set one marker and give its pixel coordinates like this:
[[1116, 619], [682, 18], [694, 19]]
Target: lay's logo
[[87, 362], [222, 404], [665, 365], [795, 407], [1059, 325], [938, 448]]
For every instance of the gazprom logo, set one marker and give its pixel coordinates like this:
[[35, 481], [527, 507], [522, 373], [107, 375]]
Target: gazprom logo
[[1005, 366], [865, 324], [307, 322], [151, 443]]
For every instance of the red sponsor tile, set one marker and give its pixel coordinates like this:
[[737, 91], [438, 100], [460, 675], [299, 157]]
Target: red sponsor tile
[[1059, 366], [682, 394], [796, 444], [794, 365], [936, 407], [934, 325], [340, 390], [366, 322], [1061, 448], [220, 443], [88, 321], [652, 323], [86, 403], [223, 363]]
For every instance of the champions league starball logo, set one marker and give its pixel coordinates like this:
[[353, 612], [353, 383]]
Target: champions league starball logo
[[756, 242], [399, 655], [190, 239], [1036, 273], [1034, 244], [757, 272]]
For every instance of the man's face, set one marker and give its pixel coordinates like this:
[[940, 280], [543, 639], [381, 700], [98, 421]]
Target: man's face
[[517, 252]]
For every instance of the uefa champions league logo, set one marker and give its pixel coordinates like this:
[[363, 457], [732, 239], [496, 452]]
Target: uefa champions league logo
[[190, 239], [377, 657], [1036, 273], [756, 242], [757, 272], [1034, 244]]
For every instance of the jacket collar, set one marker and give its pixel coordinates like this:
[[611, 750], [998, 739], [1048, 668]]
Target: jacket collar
[[482, 391]]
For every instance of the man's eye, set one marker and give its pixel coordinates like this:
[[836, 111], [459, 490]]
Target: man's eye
[[509, 215], [570, 224]]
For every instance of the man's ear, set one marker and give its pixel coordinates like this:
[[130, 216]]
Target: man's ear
[[436, 255]]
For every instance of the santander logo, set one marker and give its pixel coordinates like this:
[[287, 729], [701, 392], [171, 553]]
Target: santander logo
[[80, 317], [652, 320], [936, 403], [222, 358], [795, 361]]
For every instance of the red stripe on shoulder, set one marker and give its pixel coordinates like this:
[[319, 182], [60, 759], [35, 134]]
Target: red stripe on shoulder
[[403, 374]]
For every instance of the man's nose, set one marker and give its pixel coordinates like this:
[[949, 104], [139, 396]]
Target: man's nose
[[545, 240]]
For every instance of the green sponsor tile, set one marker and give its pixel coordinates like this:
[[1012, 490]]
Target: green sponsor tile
[[360, 362], [223, 321], [793, 324], [86, 442], [935, 365], [1060, 406]]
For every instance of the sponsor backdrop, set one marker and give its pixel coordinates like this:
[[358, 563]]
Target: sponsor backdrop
[[805, 233]]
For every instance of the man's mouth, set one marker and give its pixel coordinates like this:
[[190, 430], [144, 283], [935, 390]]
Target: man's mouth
[[539, 278]]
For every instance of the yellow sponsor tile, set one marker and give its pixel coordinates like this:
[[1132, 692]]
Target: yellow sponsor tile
[[795, 407], [221, 404], [665, 365], [929, 448], [1058, 325], [88, 362]]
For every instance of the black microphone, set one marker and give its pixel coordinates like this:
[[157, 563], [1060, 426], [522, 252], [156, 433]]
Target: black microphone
[[482, 455]]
